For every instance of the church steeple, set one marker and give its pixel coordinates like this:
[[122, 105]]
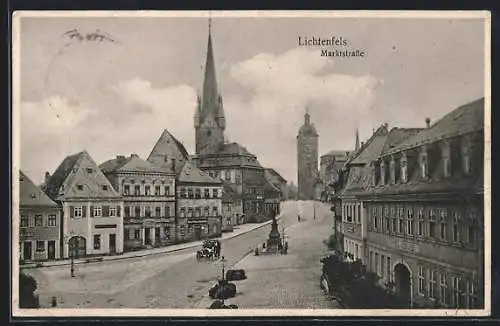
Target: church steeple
[[357, 140], [307, 117], [209, 116]]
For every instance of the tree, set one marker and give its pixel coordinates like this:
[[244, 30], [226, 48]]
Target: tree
[[27, 288]]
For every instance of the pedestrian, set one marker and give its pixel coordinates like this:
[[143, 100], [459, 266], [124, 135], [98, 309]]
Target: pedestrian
[[298, 218]]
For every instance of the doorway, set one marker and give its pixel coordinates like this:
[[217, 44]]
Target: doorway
[[403, 284], [51, 250], [77, 247], [27, 250], [147, 236], [112, 243], [197, 232]]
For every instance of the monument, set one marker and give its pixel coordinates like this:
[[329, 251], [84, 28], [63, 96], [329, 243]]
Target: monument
[[274, 241]]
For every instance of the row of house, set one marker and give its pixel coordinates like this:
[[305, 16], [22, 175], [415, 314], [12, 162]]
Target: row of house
[[411, 208], [128, 203]]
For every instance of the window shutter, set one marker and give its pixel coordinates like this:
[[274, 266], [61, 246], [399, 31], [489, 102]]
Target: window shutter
[[72, 211], [118, 210], [84, 211], [91, 211], [105, 211]]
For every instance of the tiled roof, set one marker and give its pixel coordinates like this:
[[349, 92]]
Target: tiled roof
[[132, 163], [190, 173], [397, 135], [167, 148], [230, 154], [31, 195], [274, 176], [465, 119], [372, 148], [78, 176]]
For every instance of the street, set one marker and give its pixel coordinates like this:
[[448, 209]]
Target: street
[[178, 280]]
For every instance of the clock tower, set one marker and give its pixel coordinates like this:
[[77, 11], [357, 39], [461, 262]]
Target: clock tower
[[307, 158]]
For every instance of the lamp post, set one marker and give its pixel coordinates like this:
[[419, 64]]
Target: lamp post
[[223, 262], [71, 251]]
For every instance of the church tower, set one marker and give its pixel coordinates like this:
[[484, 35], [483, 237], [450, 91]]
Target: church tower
[[307, 158], [209, 120]]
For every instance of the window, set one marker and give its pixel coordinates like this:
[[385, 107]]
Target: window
[[215, 211], [375, 222], [137, 234], [24, 221], [432, 224], [197, 212], [104, 187], [157, 190], [183, 193], [471, 227], [147, 190], [182, 212], [228, 176], [190, 212], [423, 165], [443, 217], [432, 284], [127, 211], [137, 190], [167, 211], [197, 193], [421, 280], [167, 190], [401, 220], [157, 211], [389, 269], [471, 294], [97, 241], [409, 224], [458, 292], [90, 170], [126, 190], [382, 266], [443, 289], [207, 211], [79, 187], [456, 229], [112, 211], [190, 193], [52, 220], [137, 211], [97, 211], [40, 246], [38, 220], [207, 193], [147, 211]]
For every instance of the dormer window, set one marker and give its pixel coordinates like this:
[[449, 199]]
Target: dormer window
[[90, 170], [382, 172], [104, 187], [466, 162], [423, 164], [445, 153], [392, 170], [79, 187], [404, 168]]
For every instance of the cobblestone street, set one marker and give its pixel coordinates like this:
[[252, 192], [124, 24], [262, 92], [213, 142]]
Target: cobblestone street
[[287, 281]]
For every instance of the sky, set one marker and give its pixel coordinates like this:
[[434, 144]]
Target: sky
[[116, 98]]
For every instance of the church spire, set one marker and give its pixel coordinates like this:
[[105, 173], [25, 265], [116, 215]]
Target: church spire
[[307, 117], [357, 140], [210, 96]]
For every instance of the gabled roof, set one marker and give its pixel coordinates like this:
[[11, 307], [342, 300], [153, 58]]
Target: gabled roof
[[132, 163], [190, 173], [465, 119], [31, 195], [274, 176], [78, 176], [167, 148]]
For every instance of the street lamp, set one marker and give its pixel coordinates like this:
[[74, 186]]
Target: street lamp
[[223, 262], [71, 250]]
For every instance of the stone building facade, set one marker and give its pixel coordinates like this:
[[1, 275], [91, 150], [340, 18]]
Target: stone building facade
[[329, 168], [92, 211], [307, 160], [420, 210], [39, 223], [148, 193]]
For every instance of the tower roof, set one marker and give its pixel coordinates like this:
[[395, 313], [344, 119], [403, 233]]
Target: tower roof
[[308, 128], [210, 101]]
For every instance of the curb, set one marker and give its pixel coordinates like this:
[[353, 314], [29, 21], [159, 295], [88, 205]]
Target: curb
[[146, 253]]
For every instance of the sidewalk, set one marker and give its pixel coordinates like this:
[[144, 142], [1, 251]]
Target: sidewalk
[[238, 230]]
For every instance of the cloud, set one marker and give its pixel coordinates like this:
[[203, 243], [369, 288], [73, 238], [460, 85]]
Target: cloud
[[131, 124], [282, 86]]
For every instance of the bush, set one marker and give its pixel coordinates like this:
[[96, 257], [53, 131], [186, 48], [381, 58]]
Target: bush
[[27, 288]]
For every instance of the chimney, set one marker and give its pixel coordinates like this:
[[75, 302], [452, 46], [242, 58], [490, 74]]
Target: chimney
[[120, 158], [362, 143], [47, 177], [428, 122], [134, 155]]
